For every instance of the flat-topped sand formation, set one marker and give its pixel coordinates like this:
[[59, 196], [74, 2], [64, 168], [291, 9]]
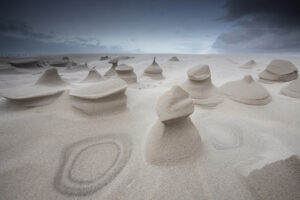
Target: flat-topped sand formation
[[93, 76], [104, 57], [200, 86], [292, 89], [279, 70], [126, 73], [174, 137], [25, 63], [246, 91], [249, 65], [154, 70], [60, 63], [104, 96]]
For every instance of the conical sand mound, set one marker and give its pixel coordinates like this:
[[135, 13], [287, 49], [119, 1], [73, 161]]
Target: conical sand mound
[[247, 91], [93, 76], [104, 96], [279, 70], [154, 70], [174, 59], [126, 73], [248, 65], [292, 89], [112, 70], [200, 87], [174, 137], [51, 78]]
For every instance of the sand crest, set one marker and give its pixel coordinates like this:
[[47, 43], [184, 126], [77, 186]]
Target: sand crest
[[126, 73], [279, 70], [91, 164], [25, 63], [93, 76], [174, 59], [248, 65], [292, 89], [51, 78], [108, 95], [154, 70], [246, 91], [174, 137], [200, 87]]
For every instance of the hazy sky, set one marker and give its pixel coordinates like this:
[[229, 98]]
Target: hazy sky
[[149, 26]]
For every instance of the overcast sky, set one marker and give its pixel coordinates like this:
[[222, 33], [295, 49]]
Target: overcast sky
[[149, 26]]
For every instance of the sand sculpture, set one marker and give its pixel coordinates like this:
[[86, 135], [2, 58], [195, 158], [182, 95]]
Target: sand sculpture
[[25, 63], [292, 89], [126, 73], [174, 59], [279, 70], [246, 91], [154, 70], [104, 57], [93, 76], [200, 87], [112, 70], [91, 164], [105, 96], [174, 136], [249, 65], [60, 63], [51, 78]]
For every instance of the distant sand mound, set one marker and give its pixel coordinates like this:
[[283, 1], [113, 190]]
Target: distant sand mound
[[25, 63], [60, 63], [107, 95], [279, 70], [112, 70], [91, 164], [104, 57], [126, 73], [93, 76], [154, 70], [246, 91], [292, 89], [200, 87], [174, 59], [174, 137], [51, 78], [279, 180], [249, 65], [119, 58]]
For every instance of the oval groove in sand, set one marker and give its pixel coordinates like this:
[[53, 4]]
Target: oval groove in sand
[[66, 182]]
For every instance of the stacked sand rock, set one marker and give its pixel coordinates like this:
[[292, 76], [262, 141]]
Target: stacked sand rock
[[174, 137], [126, 73], [279, 70], [292, 89], [112, 70], [248, 65], [200, 87], [246, 91], [174, 59], [93, 76], [100, 97], [154, 70]]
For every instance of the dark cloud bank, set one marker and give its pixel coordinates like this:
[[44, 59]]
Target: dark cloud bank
[[261, 26]]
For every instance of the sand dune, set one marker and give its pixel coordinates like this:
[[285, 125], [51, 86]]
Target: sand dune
[[174, 59], [249, 65]]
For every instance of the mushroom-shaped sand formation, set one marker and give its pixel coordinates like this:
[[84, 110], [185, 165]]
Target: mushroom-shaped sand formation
[[126, 73], [292, 89], [248, 65], [200, 87], [112, 70], [93, 76], [174, 137], [174, 59], [104, 96], [279, 70], [154, 70], [246, 91]]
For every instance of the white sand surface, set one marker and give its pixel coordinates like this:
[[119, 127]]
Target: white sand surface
[[55, 151]]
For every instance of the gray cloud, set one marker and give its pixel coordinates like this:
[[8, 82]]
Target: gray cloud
[[261, 26]]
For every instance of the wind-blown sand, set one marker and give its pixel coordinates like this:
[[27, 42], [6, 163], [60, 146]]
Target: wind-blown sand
[[61, 138]]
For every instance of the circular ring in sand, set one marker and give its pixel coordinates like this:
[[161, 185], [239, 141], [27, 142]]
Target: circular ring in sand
[[91, 164]]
